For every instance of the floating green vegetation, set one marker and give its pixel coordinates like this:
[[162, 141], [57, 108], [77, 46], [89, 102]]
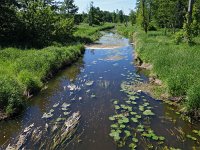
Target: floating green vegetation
[[89, 83], [55, 105], [135, 120], [130, 117], [115, 134], [197, 132], [148, 113], [93, 96], [191, 137], [52, 136], [151, 135]]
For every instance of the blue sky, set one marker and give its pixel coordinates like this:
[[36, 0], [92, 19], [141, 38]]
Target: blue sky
[[110, 5]]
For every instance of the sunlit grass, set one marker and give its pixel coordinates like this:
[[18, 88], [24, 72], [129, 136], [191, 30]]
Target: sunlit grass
[[23, 72], [177, 65]]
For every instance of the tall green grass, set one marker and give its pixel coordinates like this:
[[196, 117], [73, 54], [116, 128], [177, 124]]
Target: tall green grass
[[23, 72], [178, 66], [88, 34], [126, 31]]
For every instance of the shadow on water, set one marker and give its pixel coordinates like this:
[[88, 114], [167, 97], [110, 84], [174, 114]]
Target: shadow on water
[[89, 86]]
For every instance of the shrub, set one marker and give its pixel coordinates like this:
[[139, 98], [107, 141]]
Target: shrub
[[179, 36], [152, 27]]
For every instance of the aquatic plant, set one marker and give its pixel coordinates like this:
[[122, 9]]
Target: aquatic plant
[[52, 136], [89, 83], [148, 113]]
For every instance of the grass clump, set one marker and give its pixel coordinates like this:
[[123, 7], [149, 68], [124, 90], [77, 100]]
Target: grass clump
[[24, 72]]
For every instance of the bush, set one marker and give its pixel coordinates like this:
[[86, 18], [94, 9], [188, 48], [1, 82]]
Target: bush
[[152, 27], [179, 36]]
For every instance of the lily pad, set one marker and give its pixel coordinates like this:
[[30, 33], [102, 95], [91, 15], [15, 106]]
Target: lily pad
[[135, 120], [128, 133], [133, 146], [197, 132], [123, 120], [141, 108], [115, 134], [146, 104], [66, 113], [133, 113], [55, 105], [93, 96], [117, 107], [115, 102], [65, 105], [135, 140], [89, 83], [148, 113], [114, 126], [47, 115], [191, 137], [122, 126], [112, 118]]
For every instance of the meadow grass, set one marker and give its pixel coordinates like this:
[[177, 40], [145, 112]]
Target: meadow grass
[[88, 34], [178, 66]]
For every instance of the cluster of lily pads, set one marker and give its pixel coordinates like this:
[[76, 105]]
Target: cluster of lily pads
[[132, 120], [64, 108]]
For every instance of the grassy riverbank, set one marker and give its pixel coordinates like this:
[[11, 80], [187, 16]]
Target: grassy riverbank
[[24, 72], [88, 34], [178, 66]]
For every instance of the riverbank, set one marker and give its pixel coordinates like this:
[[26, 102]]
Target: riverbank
[[87, 34], [24, 73], [177, 66]]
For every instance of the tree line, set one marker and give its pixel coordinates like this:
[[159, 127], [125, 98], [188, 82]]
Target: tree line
[[36, 23], [170, 14], [39, 23]]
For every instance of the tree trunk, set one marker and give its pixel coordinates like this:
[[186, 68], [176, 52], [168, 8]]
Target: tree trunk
[[144, 17], [190, 7]]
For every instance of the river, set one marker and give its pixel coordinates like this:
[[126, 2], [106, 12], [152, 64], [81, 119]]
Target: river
[[93, 86]]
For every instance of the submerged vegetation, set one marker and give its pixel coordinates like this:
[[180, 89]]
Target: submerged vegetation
[[53, 136]]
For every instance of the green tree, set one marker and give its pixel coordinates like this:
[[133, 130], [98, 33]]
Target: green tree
[[68, 7], [121, 16], [132, 17], [9, 23], [91, 14]]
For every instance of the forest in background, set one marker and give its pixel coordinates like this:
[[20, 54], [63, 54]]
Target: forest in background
[[40, 23]]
